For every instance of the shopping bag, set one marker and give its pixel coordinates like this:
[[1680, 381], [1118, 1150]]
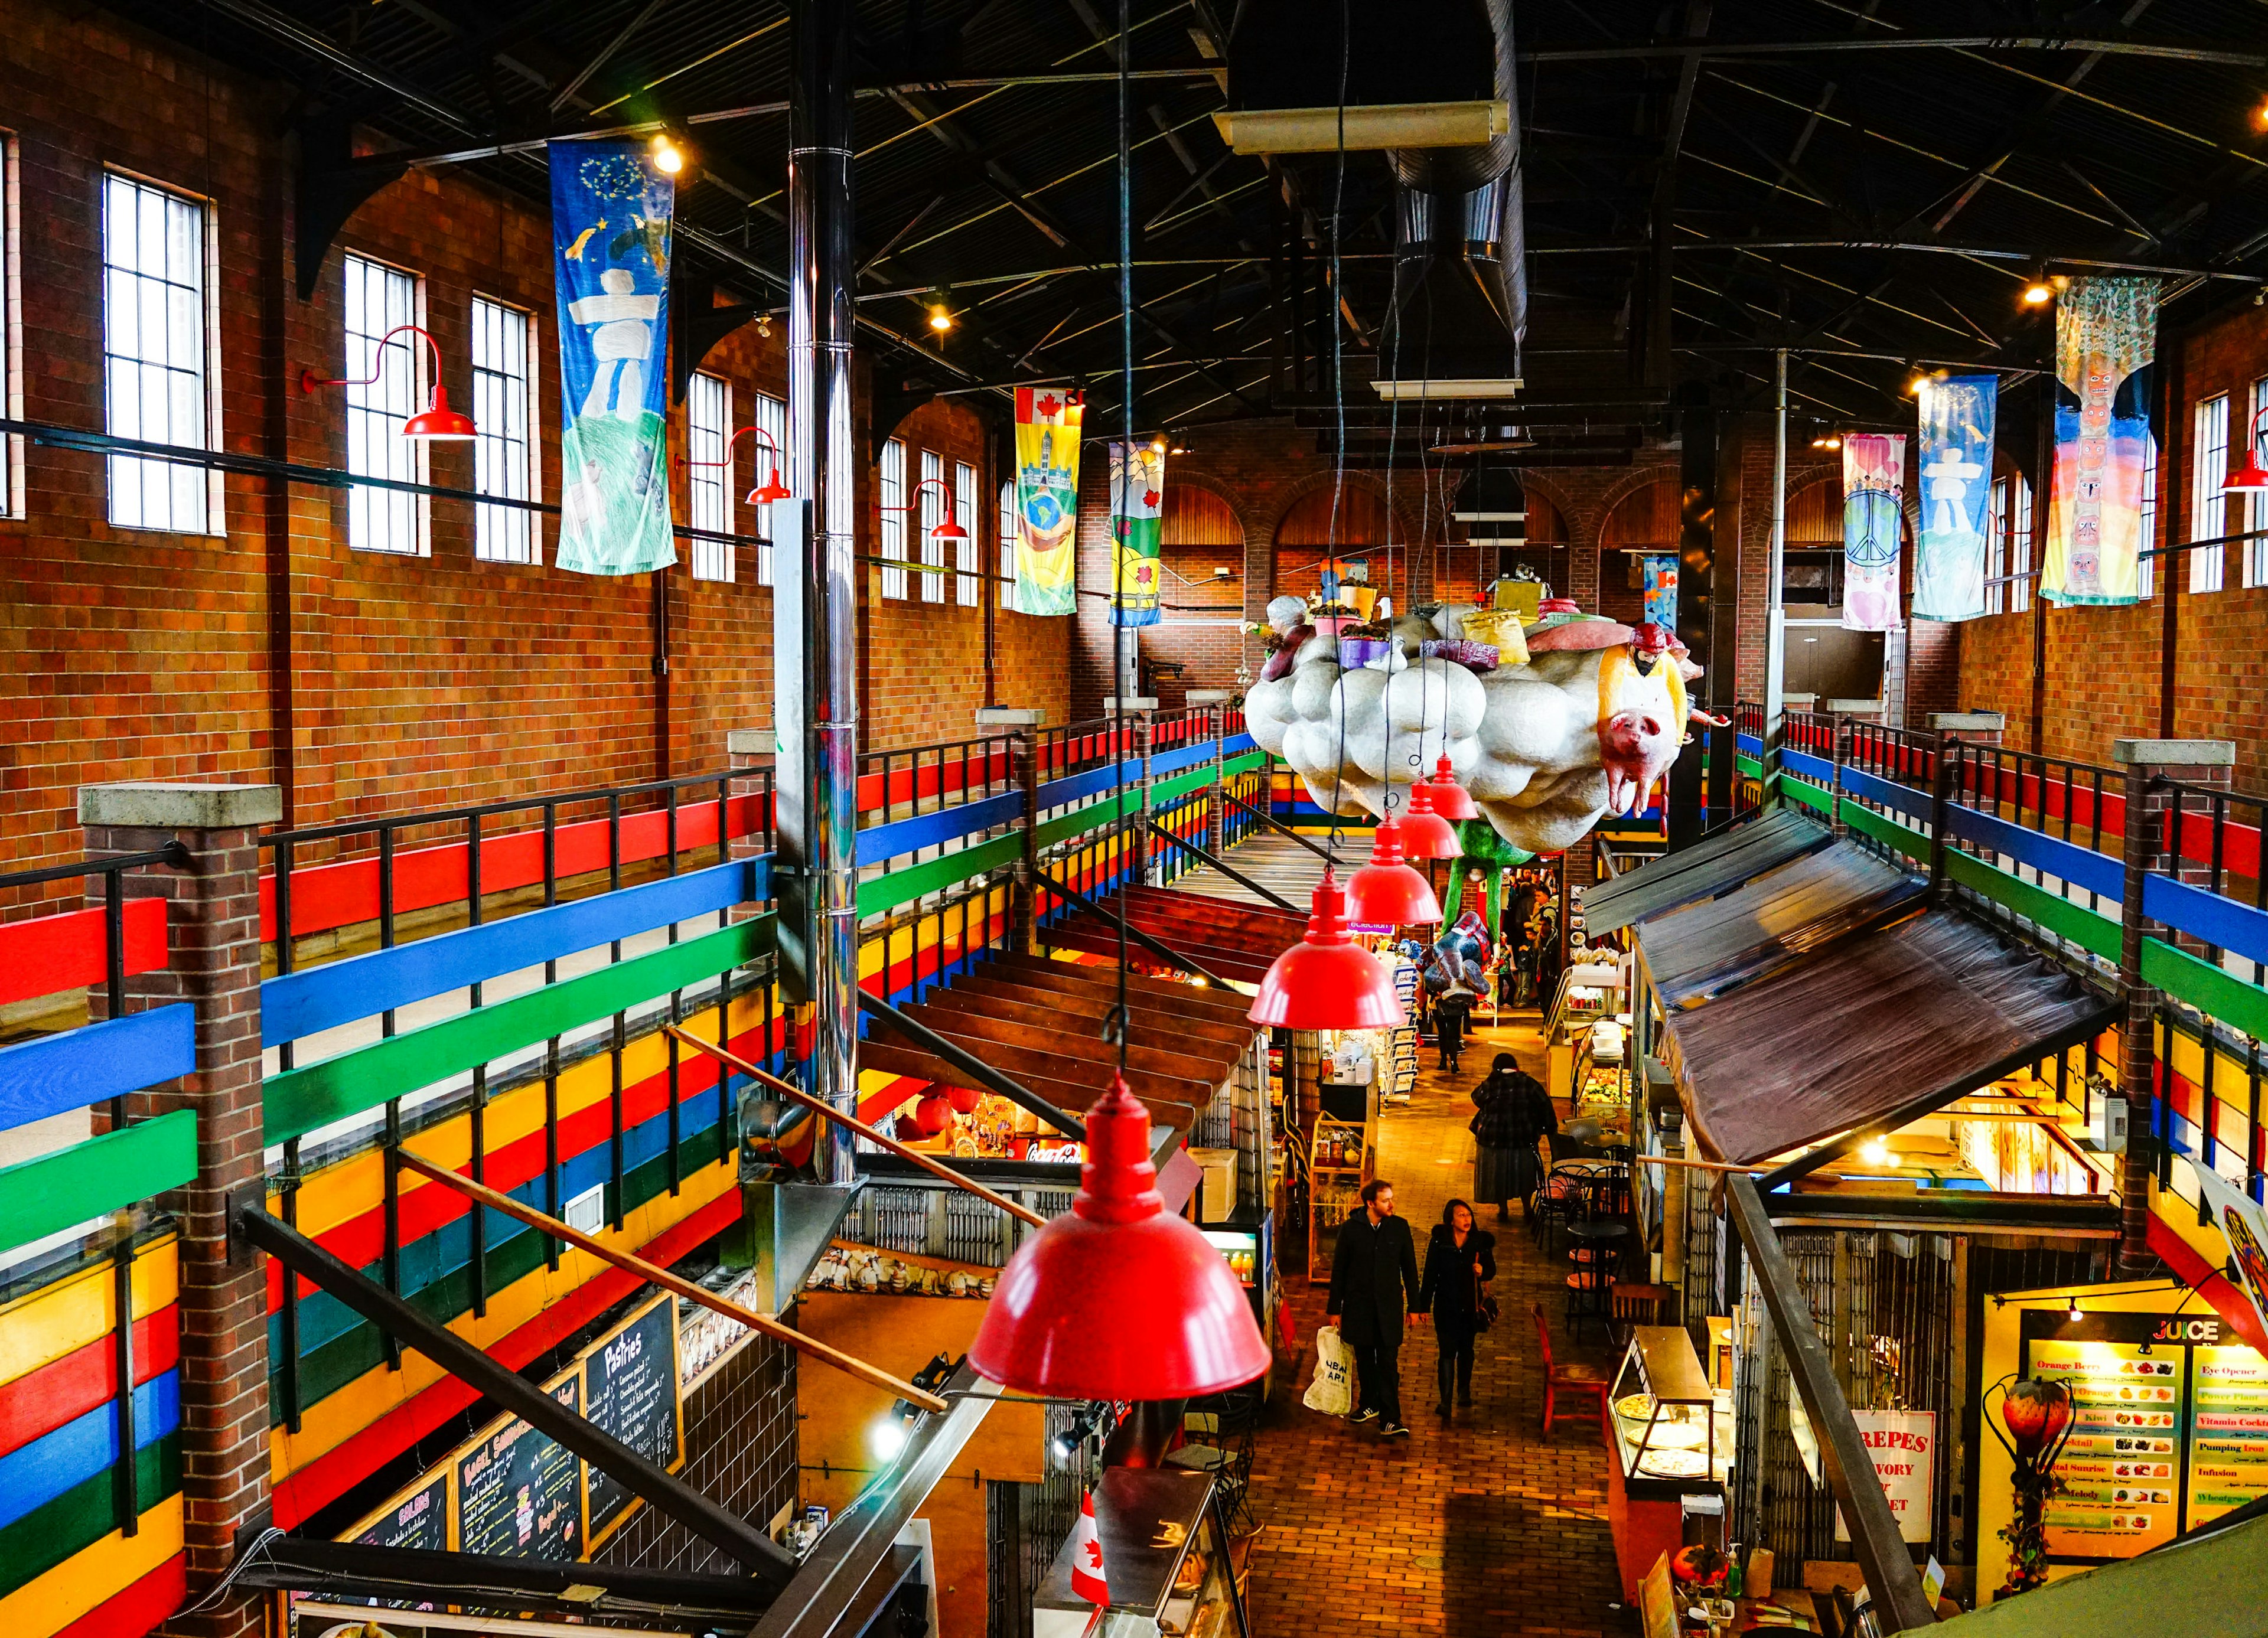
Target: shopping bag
[[1330, 1392]]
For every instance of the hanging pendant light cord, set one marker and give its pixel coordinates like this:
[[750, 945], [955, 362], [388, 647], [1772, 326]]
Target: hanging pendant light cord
[[1338, 395], [1122, 1016]]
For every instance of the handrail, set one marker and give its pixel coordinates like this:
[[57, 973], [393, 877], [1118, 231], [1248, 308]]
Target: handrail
[[936, 1044], [1221, 866], [820, 1107], [172, 854], [1164, 952], [1275, 824]]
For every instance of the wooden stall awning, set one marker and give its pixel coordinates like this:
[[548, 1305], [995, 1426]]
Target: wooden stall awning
[[1735, 855], [1041, 1022], [1235, 941]]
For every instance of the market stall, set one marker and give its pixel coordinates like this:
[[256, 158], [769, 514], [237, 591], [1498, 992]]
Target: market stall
[[1670, 1453], [1165, 1557]]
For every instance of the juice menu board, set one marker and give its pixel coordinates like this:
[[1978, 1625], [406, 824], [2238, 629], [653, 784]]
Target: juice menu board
[[2169, 1428], [417, 1518], [2122, 1493], [2228, 1445], [521, 1495], [632, 1378]]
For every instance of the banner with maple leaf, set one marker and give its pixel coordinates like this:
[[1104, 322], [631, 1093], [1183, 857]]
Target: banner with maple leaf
[[1047, 501], [1138, 496]]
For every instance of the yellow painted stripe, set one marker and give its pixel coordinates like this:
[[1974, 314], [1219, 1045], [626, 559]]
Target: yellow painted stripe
[[339, 1416], [43, 1327], [339, 1193], [84, 1580]]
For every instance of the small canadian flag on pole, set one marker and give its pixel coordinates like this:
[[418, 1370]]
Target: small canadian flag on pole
[[1087, 1578]]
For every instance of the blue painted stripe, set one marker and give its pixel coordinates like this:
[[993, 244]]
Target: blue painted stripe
[[2204, 913], [1748, 742], [1058, 792], [1173, 761], [1808, 765], [55, 1073], [2081, 867], [435, 1256], [877, 842], [1237, 745], [343, 991], [1913, 804], [33, 1474]]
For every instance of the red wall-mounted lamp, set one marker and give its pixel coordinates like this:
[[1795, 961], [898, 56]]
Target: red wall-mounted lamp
[[947, 531], [2250, 477], [771, 488], [436, 422]]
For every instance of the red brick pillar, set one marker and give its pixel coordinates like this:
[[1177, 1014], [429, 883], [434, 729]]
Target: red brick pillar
[[212, 963], [1215, 702], [1025, 722], [2149, 806], [1141, 714]]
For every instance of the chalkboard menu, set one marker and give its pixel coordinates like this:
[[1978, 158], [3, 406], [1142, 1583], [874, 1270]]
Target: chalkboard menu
[[519, 1494], [631, 1380], [418, 1517]]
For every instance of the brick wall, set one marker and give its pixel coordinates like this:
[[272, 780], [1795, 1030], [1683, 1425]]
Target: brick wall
[[269, 650]]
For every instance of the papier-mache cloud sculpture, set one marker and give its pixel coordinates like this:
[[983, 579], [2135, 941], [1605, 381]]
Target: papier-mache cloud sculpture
[[1585, 724]]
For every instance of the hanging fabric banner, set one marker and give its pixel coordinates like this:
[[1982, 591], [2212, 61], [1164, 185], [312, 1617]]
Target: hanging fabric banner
[[1957, 417], [1138, 496], [610, 221], [1874, 491], [1657, 573], [1047, 499], [2106, 338], [2245, 1226]]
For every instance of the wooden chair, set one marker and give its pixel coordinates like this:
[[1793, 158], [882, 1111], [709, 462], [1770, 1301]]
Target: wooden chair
[[1636, 1304], [1576, 1379]]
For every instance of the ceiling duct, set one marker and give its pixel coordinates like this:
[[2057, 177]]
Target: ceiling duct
[[1460, 279]]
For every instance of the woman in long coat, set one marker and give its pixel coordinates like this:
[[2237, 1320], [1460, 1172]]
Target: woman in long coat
[[1460, 1263], [1513, 1112]]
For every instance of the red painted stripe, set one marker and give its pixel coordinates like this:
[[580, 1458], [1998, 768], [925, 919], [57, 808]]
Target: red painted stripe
[[932, 779], [141, 1607], [326, 896], [42, 1401], [55, 952], [360, 1240], [337, 1471], [2192, 1270]]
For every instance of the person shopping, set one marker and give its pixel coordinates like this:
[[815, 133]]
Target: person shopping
[[1452, 1022], [1459, 1266], [1372, 1270], [1515, 1111]]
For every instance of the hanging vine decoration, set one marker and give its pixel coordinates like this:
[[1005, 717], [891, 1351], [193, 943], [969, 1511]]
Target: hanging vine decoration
[[2037, 1416]]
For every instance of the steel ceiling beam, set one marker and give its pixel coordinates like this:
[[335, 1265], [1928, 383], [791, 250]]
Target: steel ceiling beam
[[2175, 50]]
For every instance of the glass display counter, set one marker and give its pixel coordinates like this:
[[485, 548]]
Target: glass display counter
[[1672, 1448], [1164, 1557]]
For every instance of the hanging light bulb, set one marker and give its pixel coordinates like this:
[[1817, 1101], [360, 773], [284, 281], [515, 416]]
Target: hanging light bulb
[[1327, 981], [1450, 800], [1387, 891], [2038, 293], [1426, 835], [1118, 1298], [669, 157]]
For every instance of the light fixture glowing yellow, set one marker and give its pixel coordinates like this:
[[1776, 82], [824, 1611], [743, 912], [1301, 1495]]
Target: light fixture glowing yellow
[[1876, 1152], [940, 319], [2038, 293], [668, 159], [1914, 386]]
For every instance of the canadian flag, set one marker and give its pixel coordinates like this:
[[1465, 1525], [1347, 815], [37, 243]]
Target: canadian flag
[[1087, 1578]]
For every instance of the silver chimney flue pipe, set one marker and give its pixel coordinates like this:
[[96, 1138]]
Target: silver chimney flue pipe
[[814, 666]]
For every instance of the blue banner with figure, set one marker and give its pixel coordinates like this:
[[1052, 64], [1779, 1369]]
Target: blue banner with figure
[[1658, 572], [1957, 417], [610, 220]]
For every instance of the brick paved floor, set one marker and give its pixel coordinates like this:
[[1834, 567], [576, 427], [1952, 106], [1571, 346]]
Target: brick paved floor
[[1479, 1527]]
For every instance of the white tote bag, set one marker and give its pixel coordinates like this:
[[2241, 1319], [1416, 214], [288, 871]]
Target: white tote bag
[[1330, 1392]]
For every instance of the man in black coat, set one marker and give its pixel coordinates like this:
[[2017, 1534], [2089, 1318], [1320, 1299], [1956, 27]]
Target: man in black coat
[[1374, 1283]]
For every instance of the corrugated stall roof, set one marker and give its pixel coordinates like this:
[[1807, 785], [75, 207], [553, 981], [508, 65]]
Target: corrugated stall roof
[[1702, 872]]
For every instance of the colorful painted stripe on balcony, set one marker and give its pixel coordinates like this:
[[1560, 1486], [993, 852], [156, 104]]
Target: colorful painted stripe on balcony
[[51, 953]]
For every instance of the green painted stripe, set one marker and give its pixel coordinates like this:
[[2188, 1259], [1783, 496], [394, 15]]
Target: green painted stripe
[[1180, 785], [895, 888], [1886, 830], [1241, 764], [2089, 930], [297, 1101], [1748, 765], [44, 1196], [351, 1354], [1079, 821], [1810, 796], [2214, 991], [85, 1513]]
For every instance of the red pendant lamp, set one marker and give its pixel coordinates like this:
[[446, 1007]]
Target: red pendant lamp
[[1327, 981], [1388, 892], [2248, 476], [1450, 799], [1118, 1298], [1426, 835]]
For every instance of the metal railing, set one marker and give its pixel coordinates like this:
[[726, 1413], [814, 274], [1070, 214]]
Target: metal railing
[[912, 780]]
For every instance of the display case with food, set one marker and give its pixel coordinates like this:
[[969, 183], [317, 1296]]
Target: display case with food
[[1164, 1556], [1671, 1441]]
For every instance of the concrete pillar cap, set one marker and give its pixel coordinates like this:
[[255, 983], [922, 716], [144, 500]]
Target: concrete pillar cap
[[1011, 716], [1971, 721], [151, 804], [1144, 702], [751, 741], [1855, 708], [2175, 753], [1208, 696]]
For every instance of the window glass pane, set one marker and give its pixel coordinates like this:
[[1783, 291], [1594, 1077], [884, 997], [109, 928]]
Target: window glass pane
[[709, 461], [154, 307], [387, 372], [964, 552], [891, 481], [2020, 550], [2208, 507], [771, 420], [933, 513], [503, 459], [2149, 576]]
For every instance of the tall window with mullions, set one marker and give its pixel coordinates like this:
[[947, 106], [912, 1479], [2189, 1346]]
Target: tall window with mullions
[[964, 551], [770, 419], [932, 514], [709, 467], [388, 377], [503, 454], [155, 330]]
